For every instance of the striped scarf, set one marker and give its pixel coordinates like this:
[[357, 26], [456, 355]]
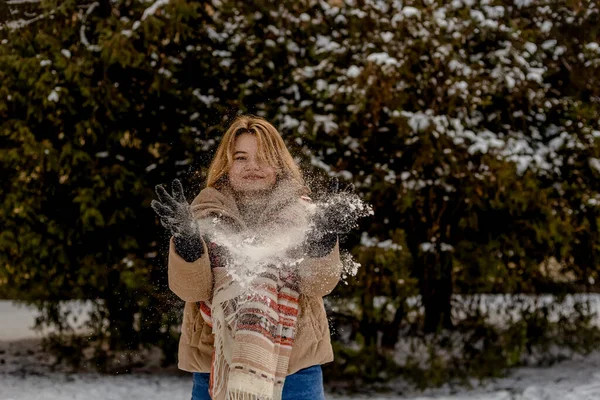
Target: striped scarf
[[254, 333], [254, 326]]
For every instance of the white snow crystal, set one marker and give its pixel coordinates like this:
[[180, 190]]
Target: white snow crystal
[[358, 12], [66, 53], [368, 241], [461, 85], [387, 36], [319, 163], [495, 12], [559, 50], [347, 175], [150, 167], [53, 96], [165, 72], [489, 23], [321, 85], [216, 36], [382, 59], [510, 81], [326, 121], [152, 9], [353, 71], [410, 12], [523, 3], [340, 20], [546, 26], [595, 163], [535, 74], [593, 46], [289, 122], [397, 18], [477, 15], [483, 141], [417, 121], [208, 100], [530, 47], [548, 44], [293, 47], [326, 44], [446, 247], [427, 247]]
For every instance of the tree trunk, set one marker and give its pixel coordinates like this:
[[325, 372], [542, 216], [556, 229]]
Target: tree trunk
[[121, 315], [436, 288], [367, 326], [390, 331]]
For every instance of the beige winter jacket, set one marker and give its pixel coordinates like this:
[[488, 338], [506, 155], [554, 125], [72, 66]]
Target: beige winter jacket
[[193, 282]]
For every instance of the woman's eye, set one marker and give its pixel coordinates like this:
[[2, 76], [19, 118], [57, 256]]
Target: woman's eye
[[240, 158]]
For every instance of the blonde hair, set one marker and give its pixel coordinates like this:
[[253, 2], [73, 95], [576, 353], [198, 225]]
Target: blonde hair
[[271, 150]]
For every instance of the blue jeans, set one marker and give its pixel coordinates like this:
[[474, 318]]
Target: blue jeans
[[306, 384]]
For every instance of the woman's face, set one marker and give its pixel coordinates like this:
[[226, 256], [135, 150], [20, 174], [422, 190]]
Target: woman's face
[[247, 174]]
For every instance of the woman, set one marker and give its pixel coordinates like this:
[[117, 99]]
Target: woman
[[281, 336]]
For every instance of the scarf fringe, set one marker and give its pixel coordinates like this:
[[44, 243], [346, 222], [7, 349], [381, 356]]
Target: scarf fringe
[[220, 368], [237, 394]]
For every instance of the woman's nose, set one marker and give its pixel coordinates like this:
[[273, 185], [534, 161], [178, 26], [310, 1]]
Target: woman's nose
[[253, 165]]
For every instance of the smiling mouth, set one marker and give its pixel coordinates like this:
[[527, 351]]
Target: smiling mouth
[[253, 177]]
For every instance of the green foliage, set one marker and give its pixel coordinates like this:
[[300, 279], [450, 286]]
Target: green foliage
[[360, 364], [83, 132], [477, 348]]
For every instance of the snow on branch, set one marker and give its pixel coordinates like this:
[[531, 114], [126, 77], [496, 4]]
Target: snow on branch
[[15, 2], [152, 9], [83, 38], [20, 23], [147, 13]]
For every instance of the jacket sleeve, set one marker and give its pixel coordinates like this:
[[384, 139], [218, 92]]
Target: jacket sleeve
[[319, 276], [190, 281]]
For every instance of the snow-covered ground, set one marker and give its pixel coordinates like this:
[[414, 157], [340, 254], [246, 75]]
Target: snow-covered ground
[[25, 374]]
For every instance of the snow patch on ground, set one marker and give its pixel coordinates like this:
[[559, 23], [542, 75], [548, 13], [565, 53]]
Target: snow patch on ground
[[26, 372]]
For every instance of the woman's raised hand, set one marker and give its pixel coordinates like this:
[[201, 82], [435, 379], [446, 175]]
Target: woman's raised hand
[[176, 215], [174, 211], [340, 210]]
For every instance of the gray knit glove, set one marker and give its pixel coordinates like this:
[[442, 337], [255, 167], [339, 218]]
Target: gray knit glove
[[176, 215], [334, 217], [337, 214]]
